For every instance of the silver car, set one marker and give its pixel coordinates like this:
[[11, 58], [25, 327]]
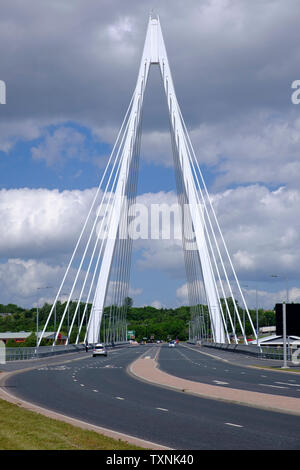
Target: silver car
[[99, 350]]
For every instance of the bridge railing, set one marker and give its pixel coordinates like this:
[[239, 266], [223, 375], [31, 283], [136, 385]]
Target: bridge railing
[[25, 353], [265, 352]]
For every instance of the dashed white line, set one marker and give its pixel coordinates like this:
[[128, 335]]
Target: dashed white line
[[162, 409], [120, 398], [235, 425], [273, 386], [219, 382], [290, 385]]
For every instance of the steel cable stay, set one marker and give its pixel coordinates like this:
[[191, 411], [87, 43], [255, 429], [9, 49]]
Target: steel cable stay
[[108, 205], [192, 154], [105, 269], [86, 221], [190, 256], [214, 258], [122, 255], [83, 256]]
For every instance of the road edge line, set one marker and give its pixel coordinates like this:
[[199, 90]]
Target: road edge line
[[9, 397]]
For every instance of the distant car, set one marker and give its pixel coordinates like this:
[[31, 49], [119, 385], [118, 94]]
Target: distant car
[[99, 350], [172, 344]]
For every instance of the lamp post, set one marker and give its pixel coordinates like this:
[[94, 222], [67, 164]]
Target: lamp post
[[37, 315], [285, 366], [68, 317], [256, 309], [244, 320]]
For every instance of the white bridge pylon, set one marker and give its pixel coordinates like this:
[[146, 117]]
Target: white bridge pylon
[[191, 189]]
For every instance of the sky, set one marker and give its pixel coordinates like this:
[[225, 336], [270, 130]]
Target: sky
[[70, 68]]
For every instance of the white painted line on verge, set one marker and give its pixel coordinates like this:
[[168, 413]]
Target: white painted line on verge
[[235, 425], [162, 409]]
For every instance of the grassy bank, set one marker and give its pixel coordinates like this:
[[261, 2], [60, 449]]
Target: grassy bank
[[21, 429]]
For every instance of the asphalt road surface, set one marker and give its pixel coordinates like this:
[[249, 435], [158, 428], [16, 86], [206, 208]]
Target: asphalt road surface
[[100, 391], [186, 362]]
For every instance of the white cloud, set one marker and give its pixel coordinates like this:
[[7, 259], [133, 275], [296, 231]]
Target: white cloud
[[157, 304], [24, 281], [38, 223], [182, 294], [259, 226], [63, 143], [118, 30]]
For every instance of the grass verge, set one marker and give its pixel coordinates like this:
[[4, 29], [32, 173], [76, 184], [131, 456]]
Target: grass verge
[[22, 429]]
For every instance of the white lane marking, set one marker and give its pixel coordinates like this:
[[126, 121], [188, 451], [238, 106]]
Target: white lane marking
[[95, 390], [274, 386], [162, 409], [220, 383], [235, 425], [264, 376], [290, 385], [81, 385], [120, 398]]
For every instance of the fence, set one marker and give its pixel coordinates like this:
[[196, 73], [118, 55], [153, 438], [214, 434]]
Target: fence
[[25, 353], [266, 352]]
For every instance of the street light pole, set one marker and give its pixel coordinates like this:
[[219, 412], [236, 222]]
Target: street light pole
[[37, 315], [256, 308], [37, 326], [285, 366]]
